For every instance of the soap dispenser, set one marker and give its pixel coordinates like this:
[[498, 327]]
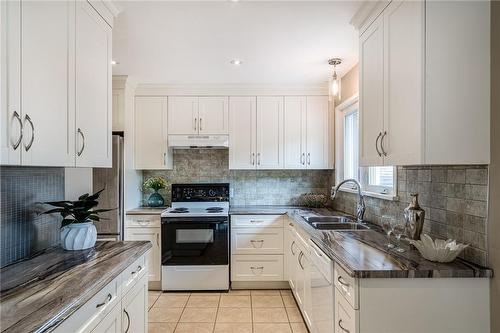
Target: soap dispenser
[[414, 217]]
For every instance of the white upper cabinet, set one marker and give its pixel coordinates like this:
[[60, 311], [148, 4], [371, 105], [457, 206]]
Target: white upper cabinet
[[182, 115], [306, 128], [371, 92], [317, 135], [93, 88], [151, 151], [213, 115], [64, 51], [269, 144], [432, 113], [295, 132], [242, 132], [197, 115], [45, 82]]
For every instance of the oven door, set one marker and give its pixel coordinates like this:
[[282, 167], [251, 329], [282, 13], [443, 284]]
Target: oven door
[[195, 241]]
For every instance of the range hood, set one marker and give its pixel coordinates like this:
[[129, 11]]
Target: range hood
[[198, 141]]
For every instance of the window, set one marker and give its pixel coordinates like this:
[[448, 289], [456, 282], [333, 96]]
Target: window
[[378, 181]]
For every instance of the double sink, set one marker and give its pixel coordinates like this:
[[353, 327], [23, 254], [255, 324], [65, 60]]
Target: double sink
[[339, 223]]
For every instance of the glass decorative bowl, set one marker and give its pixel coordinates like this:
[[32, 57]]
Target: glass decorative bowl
[[438, 250]]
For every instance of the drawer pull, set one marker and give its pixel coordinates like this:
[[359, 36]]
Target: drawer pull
[[291, 247], [108, 298], [253, 241], [139, 268], [342, 282], [300, 262], [342, 327], [128, 321], [260, 268], [290, 224], [256, 221]]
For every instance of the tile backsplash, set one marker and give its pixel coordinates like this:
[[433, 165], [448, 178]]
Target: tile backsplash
[[249, 187], [455, 200], [22, 231]]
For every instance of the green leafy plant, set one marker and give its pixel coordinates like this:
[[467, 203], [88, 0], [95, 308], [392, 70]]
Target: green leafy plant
[[79, 211], [155, 183]]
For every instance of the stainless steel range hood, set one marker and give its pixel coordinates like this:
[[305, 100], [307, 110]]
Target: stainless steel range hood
[[198, 141]]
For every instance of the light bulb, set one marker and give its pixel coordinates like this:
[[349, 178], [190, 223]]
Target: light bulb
[[335, 84]]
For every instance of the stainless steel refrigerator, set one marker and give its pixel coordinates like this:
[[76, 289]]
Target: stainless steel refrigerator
[[111, 179]]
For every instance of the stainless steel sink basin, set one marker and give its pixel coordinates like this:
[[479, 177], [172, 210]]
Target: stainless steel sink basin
[[346, 226], [327, 219]]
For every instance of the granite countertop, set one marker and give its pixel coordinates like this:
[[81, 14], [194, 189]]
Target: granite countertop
[[39, 293], [363, 253], [146, 211]]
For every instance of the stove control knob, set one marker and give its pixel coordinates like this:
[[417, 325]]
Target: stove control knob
[[211, 193]]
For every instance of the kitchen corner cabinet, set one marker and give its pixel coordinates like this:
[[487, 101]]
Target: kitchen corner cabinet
[[70, 84], [306, 132], [415, 107], [256, 132], [150, 146], [147, 228], [197, 115]]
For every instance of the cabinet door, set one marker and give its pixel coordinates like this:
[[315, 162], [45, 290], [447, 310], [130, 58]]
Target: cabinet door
[[294, 132], [93, 88], [317, 132], [154, 256], [371, 93], [291, 254], [269, 133], [151, 151], [10, 110], [183, 115], [404, 31], [242, 124], [46, 73], [213, 115], [135, 308], [112, 323]]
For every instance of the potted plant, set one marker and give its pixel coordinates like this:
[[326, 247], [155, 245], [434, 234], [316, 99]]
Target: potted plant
[[156, 184], [78, 231]]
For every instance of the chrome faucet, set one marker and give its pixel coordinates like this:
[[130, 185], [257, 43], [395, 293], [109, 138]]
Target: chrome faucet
[[360, 208]]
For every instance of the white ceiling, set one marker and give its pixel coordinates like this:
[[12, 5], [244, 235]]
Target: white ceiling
[[184, 42]]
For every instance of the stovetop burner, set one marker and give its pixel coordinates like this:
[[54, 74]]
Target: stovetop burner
[[179, 210]]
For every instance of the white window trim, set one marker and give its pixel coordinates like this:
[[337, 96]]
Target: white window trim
[[348, 106]]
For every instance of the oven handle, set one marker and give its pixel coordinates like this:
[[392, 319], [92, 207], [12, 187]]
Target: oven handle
[[190, 221]]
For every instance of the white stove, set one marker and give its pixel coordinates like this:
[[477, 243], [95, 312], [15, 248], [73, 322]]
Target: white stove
[[195, 238]]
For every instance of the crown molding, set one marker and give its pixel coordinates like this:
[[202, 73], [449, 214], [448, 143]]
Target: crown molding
[[230, 90], [367, 12]]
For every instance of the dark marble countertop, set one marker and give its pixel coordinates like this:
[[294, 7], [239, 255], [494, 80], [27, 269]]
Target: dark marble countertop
[[145, 211], [363, 253], [39, 293]]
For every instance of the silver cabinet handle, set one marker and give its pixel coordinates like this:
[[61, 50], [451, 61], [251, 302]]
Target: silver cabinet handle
[[256, 221], [28, 119], [108, 298], [299, 259], [258, 158], [342, 327], [309, 158], [260, 268], [128, 320], [164, 158], [342, 282], [253, 158], [382, 143], [195, 123], [18, 142], [83, 142], [261, 242], [139, 268], [158, 239], [201, 128], [291, 247], [376, 144], [303, 159]]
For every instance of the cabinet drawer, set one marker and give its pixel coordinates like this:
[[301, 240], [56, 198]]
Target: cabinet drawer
[[257, 241], [143, 221], [133, 273], [346, 285], [86, 318], [257, 268], [300, 235], [346, 318], [257, 221]]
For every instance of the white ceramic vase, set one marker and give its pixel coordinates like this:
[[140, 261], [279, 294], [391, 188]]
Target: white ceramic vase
[[78, 236]]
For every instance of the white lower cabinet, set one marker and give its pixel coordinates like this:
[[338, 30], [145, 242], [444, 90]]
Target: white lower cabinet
[[147, 228], [120, 306], [257, 268]]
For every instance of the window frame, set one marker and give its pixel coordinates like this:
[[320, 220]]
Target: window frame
[[347, 107]]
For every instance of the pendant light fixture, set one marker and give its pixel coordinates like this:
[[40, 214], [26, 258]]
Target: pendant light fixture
[[335, 88]]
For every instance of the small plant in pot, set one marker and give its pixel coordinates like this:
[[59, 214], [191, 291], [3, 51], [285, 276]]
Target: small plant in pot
[[78, 231], [156, 184]]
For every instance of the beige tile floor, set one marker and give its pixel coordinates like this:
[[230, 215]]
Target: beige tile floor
[[238, 311]]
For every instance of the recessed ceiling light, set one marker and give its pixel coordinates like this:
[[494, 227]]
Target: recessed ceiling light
[[236, 62], [114, 62]]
